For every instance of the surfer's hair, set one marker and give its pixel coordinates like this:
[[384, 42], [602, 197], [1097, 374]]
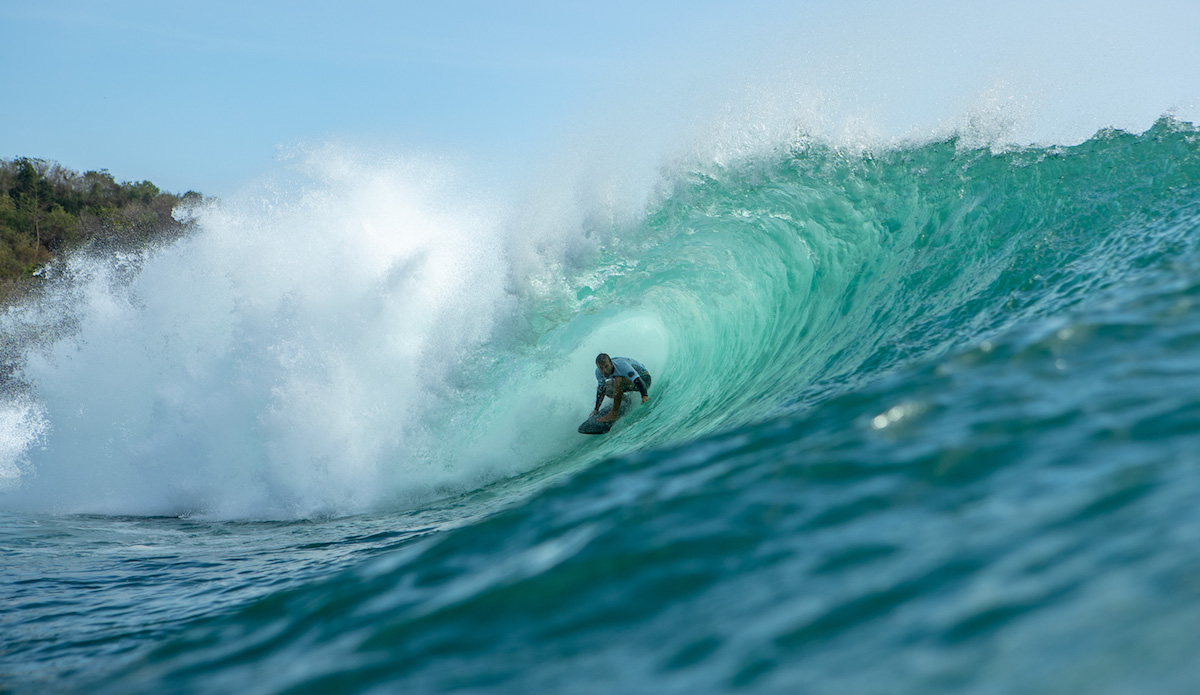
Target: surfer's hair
[[602, 357]]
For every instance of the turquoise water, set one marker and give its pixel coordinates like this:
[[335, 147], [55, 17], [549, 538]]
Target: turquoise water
[[924, 419]]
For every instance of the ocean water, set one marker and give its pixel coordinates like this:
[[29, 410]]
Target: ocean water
[[925, 419]]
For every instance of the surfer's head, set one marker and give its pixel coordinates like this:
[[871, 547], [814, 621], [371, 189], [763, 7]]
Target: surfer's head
[[604, 363]]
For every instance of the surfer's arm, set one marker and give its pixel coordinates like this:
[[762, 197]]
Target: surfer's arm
[[641, 387], [599, 398]]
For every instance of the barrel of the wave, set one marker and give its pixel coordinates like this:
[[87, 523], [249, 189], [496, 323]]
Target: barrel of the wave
[[615, 376]]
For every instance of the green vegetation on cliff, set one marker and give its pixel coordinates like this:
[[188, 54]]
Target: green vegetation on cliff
[[46, 210]]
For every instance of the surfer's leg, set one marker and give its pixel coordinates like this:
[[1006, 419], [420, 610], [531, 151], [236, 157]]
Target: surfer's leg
[[618, 390]]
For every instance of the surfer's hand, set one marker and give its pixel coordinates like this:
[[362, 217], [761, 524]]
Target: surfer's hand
[[645, 398], [594, 412]]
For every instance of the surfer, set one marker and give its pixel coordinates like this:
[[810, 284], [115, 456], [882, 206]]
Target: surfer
[[615, 376]]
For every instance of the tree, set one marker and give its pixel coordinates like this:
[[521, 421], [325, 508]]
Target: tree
[[46, 209]]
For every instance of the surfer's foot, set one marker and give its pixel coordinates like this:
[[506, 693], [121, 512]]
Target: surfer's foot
[[606, 418]]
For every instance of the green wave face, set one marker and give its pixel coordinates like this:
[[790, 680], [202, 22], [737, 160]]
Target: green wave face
[[763, 287]]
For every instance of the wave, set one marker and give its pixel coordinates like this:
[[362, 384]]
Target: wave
[[367, 337]]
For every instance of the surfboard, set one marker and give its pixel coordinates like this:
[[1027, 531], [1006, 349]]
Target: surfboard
[[592, 425]]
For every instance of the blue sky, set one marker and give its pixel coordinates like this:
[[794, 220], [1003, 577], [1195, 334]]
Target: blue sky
[[199, 94], [202, 95]]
